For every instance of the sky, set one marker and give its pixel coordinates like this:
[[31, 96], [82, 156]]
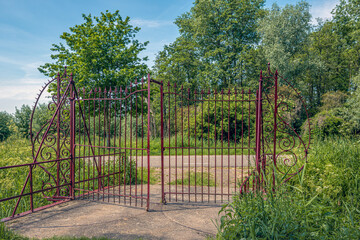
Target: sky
[[29, 28]]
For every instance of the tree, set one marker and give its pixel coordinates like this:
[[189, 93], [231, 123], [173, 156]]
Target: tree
[[5, 121], [101, 52], [216, 39], [346, 19], [22, 119], [284, 33]]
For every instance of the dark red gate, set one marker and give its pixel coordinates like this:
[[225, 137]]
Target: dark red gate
[[218, 143], [95, 144], [112, 144]]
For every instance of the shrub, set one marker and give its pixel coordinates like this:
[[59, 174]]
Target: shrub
[[5, 129], [22, 120]]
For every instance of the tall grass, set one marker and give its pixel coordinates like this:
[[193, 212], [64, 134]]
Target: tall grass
[[320, 203]]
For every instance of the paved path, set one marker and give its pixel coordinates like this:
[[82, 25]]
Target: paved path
[[96, 219]]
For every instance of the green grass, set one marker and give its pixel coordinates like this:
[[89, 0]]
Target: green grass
[[198, 179], [154, 176], [323, 202]]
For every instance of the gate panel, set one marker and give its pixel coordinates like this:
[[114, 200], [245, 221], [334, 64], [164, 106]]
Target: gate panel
[[112, 145], [209, 142], [283, 148]]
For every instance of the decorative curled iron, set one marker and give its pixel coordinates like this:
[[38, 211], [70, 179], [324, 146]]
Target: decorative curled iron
[[50, 138], [282, 105]]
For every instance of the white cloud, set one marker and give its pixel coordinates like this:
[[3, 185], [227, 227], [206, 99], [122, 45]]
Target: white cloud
[[323, 11], [150, 23], [31, 73]]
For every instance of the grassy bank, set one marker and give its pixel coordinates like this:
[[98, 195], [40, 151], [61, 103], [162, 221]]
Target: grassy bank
[[320, 203]]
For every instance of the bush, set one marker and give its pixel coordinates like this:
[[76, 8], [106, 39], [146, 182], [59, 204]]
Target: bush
[[326, 123], [5, 122], [22, 120]]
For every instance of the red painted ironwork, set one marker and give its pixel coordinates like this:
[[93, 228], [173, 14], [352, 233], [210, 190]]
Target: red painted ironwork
[[96, 144]]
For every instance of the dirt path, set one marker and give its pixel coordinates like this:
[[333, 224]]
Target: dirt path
[[98, 219]]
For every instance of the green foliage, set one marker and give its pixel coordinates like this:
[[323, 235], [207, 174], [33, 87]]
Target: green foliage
[[332, 99], [212, 50], [283, 215], [219, 119], [5, 122], [22, 119], [101, 52], [332, 170], [284, 32], [320, 203], [326, 123], [351, 110]]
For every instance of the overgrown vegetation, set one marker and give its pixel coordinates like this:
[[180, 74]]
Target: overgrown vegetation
[[323, 202]]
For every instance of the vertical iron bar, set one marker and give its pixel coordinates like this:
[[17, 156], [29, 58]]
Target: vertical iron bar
[[121, 159], [275, 126], [148, 148], [242, 139], [72, 137], [215, 93], [202, 146], [99, 136], [195, 98], [88, 162], [235, 123], [168, 129], [229, 145], [208, 96], [189, 149], [31, 187], [115, 153], [257, 139], [125, 145], [162, 143], [248, 147], [176, 165], [142, 140], [222, 144], [182, 142], [131, 141], [136, 142], [94, 141], [108, 142], [58, 135], [104, 144], [81, 149]]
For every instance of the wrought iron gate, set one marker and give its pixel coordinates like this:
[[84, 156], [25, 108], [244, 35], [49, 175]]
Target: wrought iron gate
[[219, 143], [112, 143], [95, 143]]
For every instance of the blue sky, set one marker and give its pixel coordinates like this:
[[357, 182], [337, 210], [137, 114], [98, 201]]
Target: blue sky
[[28, 28]]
